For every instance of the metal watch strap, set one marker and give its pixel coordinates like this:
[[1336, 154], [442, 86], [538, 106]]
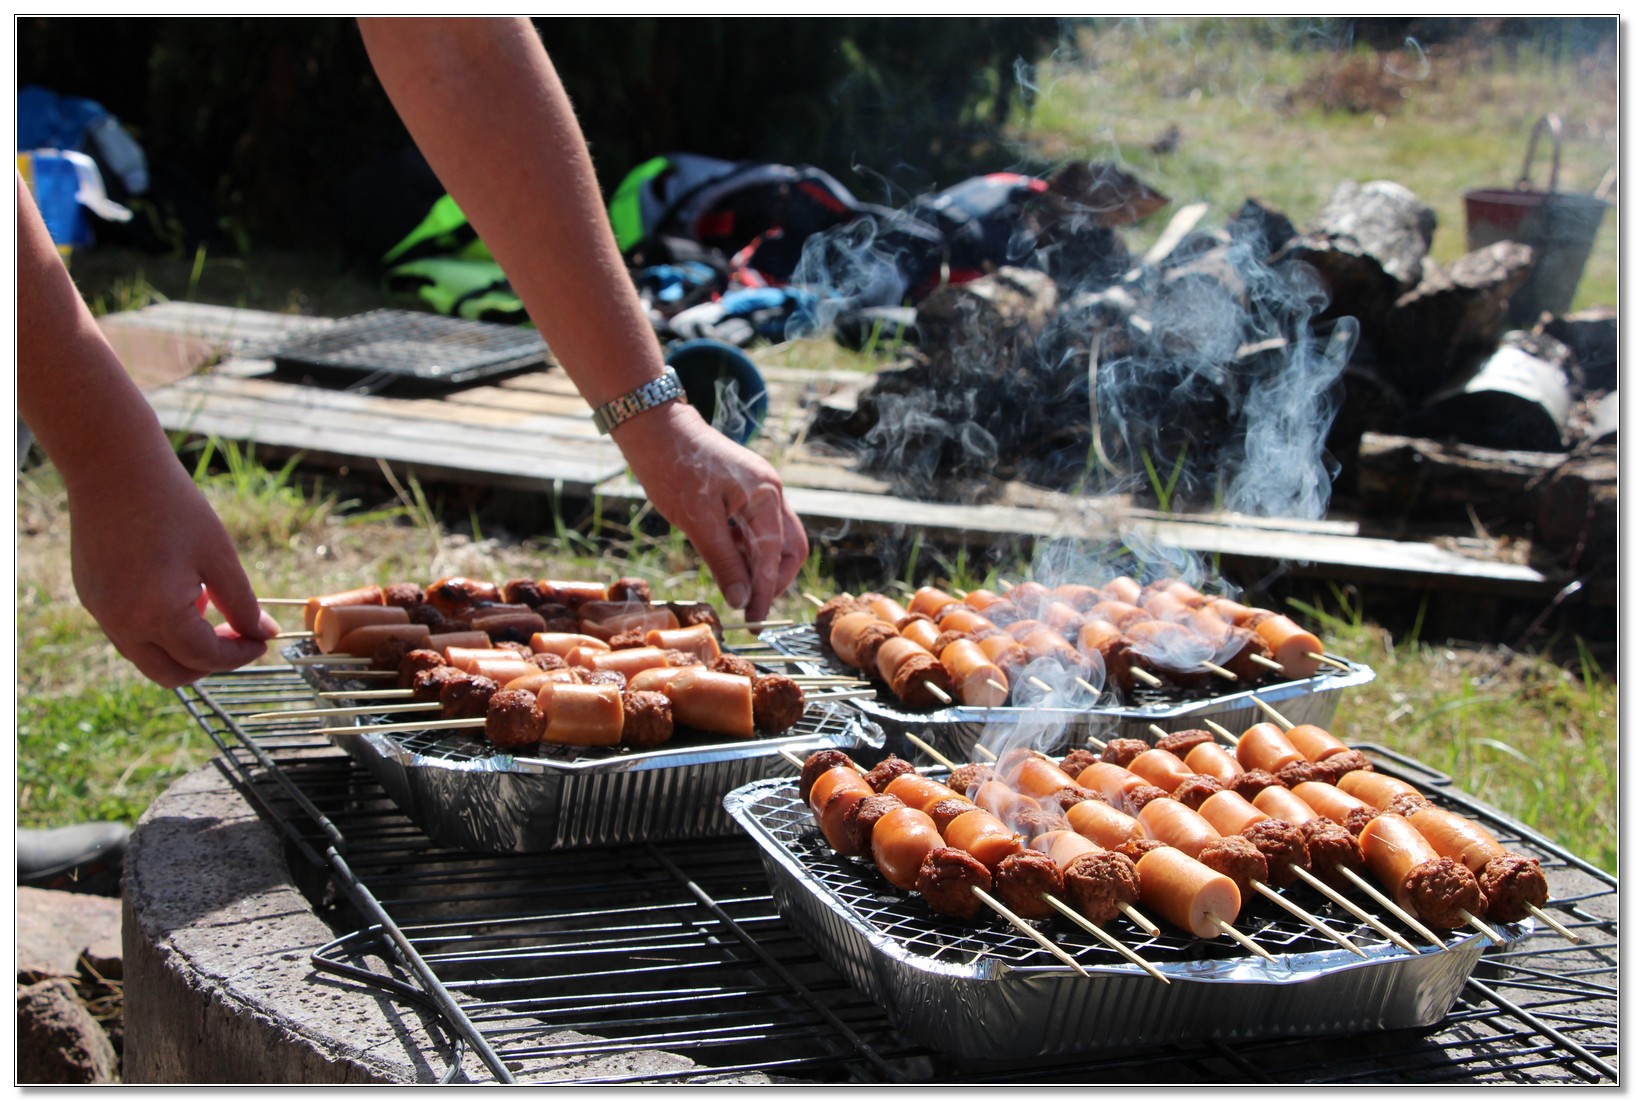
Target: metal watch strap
[[610, 415]]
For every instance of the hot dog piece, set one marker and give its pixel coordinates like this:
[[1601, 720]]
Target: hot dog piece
[[471, 640], [362, 641], [1160, 767], [1455, 836], [563, 643], [922, 630], [364, 595], [1314, 743], [966, 620], [1065, 846], [1331, 803], [721, 703], [1186, 892], [919, 791], [1213, 759], [833, 795], [1004, 652], [1104, 824], [1175, 824], [698, 639], [1229, 813], [504, 670], [630, 661], [1044, 642], [1001, 799], [836, 779], [1281, 803], [1122, 588], [980, 599], [574, 594], [452, 596], [984, 836], [1114, 782], [503, 624], [913, 674], [884, 607], [1376, 789], [1435, 888], [1263, 746], [654, 679], [1292, 646], [464, 658], [900, 843], [928, 599], [945, 879], [976, 680], [334, 621], [642, 622], [582, 715], [856, 638], [819, 762], [536, 678], [1036, 777]]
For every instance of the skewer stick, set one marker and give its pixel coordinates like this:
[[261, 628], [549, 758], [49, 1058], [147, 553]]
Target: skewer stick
[[938, 693], [1016, 920], [825, 679], [1106, 939], [1138, 918], [1327, 661], [1554, 925], [816, 601], [1096, 742], [1221, 731], [1356, 911], [1482, 928], [1142, 675], [294, 635], [1384, 901], [427, 725], [330, 660], [1277, 717], [1307, 917], [931, 751], [985, 752], [1262, 660], [1219, 671], [1239, 936], [1083, 684], [756, 625], [848, 694], [794, 758], [361, 710], [1040, 684], [1157, 730], [365, 694], [281, 600], [996, 685], [349, 672]]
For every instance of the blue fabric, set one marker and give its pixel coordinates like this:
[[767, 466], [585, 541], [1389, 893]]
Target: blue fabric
[[46, 120]]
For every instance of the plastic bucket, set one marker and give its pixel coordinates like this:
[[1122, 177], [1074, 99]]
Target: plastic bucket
[[1560, 227], [723, 384]]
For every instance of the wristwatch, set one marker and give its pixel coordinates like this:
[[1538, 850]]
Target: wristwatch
[[665, 388]]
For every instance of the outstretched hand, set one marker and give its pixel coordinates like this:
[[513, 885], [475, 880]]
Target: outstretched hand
[[728, 500], [149, 557]]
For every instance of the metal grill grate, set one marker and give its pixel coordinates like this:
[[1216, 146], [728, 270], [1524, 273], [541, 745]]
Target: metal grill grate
[[554, 965], [405, 348]]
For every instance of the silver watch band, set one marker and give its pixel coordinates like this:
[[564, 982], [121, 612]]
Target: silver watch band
[[665, 388]]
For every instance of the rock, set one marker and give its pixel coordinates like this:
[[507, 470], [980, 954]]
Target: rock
[[57, 1039], [55, 928]]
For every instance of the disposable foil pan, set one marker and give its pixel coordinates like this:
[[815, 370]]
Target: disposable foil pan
[[982, 991], [957, 729], [463, 792]]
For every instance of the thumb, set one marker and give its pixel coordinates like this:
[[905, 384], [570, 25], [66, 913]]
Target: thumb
[[230, 591], [718, 546]]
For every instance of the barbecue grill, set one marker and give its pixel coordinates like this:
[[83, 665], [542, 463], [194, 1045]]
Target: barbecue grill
[[551, 965]]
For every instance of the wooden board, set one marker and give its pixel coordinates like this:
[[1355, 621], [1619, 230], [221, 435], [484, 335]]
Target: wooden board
[[532, 434]]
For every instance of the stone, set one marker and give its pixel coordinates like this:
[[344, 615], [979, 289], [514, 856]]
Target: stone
[[54, 929], [58, 1041]]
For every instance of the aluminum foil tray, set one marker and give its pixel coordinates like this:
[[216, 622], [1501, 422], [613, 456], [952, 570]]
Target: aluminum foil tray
[[982, 991], [463, 792], [956, 730]]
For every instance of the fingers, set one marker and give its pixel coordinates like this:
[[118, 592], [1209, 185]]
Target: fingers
[[230, 591], [774, 545]]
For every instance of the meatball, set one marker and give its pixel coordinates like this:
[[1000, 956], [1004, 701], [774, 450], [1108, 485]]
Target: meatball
[[946, 810], [427, 686], [919, 680], [857, 825], [389, 655], [733, 664], [648, 719], [1122, 751], [520, 649], [421, 658], [968, 778], [1022, 880], [870, 638], [1140, 796], [1332, 848], [1030, 822], [818, 763], [525, 591], [1510, 883], [832, 609], [1406, 803], [604, 677], [514, 719], [1298, 772], [1236, 857], [468, 697], [1283, 846], [404, 595], [1197, 788], [1180, 743], [887, 771], [945, 637], [1094, 884], [679, 658], [429, 616], [1254, 782], [946, 878], [1346, 761], [1238, 652], [630, 589], [548, 661], [1068, 795], [1440, 890], [1133, 848], [1077, 761], [627, 640], [777, 703], [689, 613], [1360, 817]]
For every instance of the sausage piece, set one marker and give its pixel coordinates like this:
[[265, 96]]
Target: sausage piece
[[582, 715], [899, 844], [1376, 789], [984, 836], [1455, 836], [1175, 824], [720, 703], [1186, 892], [334, 621], [1333, 803], [1104, 824], [1264, 746], [977, 681], [1314, 743], [1292, 646], [1229, 813], [1215, 760], [1433, 887], [364, 595]]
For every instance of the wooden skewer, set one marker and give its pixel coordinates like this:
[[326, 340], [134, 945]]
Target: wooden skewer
[[996, 685], [1355, 910], [361, 710], [1006, 585], [756, 625], [350, 672], [1219, 671], [1554, 925], [1157, 730], [428, 725], [331, 660], [364, 694], [1261, 659], [824, 679], [1091, 689], [793, 757], [1239, 936], [1483, 928], [1138, 918], [1016, 920], [848, 694], [1142, 675], [1107, 939], [294, 635], [281, 600], [1041, 684], [1276, 717], [1307, 917], [816, 601], [1096, 742], [931, 751], [1221, 731], [985, 752], [1385, 901], [1327, 661], [938, 693], [769, 656]]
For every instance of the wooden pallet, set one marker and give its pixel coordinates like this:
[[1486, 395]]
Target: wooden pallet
[[532, 433]]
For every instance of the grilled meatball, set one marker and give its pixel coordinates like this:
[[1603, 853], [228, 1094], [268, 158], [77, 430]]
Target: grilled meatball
[[389, 655], [1332, 848], [914, 678], [946, 878], [1283, 846], [429, 616], [1077, 761], [1002, 612], [520, 649], [1298, 772], [421, 658], [733, 664], [427, 685], [1133, 848], [831, 610], [1094, 884], [1510, 883], [1442, 888], [870, 638], [777, 703], [1406, 803], [1142, 795], [679, 658], [688, 613], [514, 719], [1194, 790], [467, 698], [1241, 647], [630, 589], [945, 811], [525, 591], [1361, 817], [1346, 761], [648, 719], [887, 771], [627, 640], [1030, 822], [548, 661], [968, 778], [604, 677], [857, 825], [1254, 782], [404, 595], [1068, 795], [1236, 857], [945, 637], [1022, 880], [818, 763], [1122, 751], [1180, 743]]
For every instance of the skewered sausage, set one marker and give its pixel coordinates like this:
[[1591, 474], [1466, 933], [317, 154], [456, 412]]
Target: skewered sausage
[[984, 836], [1264, 746], [334, 621], [857, 824], [1175, 824], [975, 678], [364, 595], [1336, 804], [1213, 759], [900, 842], [1104, 824], [1292, 646], [1376, 789], [1439, 890], [582, 715], [1186, 892], [721, 703], [1229, 813], [913, 674], [1314, 743], [362, 641]]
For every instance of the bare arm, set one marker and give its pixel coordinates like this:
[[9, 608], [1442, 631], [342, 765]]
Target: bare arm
[[486, 108], [148, 553]]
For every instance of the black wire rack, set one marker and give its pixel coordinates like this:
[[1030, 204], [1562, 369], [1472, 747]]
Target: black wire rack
[[577, 958], [408, 349]]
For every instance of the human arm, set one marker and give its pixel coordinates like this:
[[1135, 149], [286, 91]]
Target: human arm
[[484, 105], [148, 554]]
